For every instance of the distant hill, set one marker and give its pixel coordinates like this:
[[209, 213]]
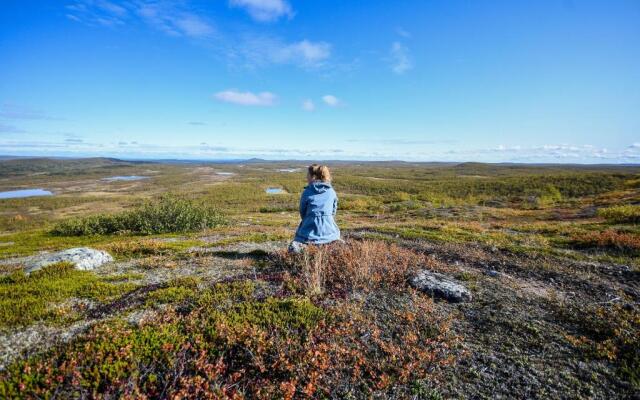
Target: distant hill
[[10, 166]]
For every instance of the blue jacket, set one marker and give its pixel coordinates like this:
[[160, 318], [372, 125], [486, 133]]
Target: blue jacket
[[318, 205]]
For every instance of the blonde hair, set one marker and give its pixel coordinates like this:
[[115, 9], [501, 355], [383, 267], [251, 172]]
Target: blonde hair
[[319, 172]]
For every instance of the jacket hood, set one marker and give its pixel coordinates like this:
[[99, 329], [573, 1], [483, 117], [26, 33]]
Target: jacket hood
[[319, 187]]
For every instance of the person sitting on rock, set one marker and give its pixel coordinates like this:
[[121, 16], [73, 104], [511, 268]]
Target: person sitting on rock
[[318, 205]]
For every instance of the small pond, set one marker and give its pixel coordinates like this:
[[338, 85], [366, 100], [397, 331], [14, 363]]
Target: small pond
[[225, 173], [14, 194], [289, 169], [274, 190], [125, 178]]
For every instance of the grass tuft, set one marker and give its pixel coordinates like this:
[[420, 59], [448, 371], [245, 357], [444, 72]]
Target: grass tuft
[[354, 265]]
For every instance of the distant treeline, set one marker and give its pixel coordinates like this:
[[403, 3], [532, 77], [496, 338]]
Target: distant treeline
[[569, 185]]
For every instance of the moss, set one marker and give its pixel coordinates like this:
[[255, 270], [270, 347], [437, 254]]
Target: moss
[[258, 237], [25, 299], [144, 247], [286, 314], [178, 291], [29, 242]]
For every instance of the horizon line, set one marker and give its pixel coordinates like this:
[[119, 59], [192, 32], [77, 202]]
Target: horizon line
[[7, 157]]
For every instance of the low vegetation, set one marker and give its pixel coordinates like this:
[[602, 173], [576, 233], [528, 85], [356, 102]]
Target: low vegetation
[[170, 214], [621, 214], [610, 239], [25, 299], [202, 301], [230, 344], [607, 332]]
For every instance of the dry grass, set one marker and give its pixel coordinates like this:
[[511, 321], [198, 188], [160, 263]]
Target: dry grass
[[341, 268]]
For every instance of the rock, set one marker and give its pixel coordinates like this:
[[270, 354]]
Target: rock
[[84, 258], [440, 286], [493, 273]]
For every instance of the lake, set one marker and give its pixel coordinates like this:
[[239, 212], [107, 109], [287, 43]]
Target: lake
[[14, 194], [274, 190], [125, 178], [289, 170]]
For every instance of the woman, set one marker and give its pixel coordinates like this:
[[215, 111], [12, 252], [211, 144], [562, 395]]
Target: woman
[[318, 205]]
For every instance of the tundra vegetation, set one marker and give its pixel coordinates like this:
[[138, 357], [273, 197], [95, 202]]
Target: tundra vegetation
[[202, 301]]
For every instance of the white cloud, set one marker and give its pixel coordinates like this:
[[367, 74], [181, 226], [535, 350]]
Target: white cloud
[[246, 98], [635, 146], [330, 100], [181, 19], [308, 105], [264, 10], [257, 51], [194, 26], [305, 52], [400, 59], [547, 153]]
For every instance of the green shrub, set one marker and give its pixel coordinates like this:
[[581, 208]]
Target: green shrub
[[621, 214], [167, 215]]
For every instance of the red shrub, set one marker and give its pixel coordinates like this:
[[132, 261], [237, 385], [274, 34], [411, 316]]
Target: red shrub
[[609, 239]]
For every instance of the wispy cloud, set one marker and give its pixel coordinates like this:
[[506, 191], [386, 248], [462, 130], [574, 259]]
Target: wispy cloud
[[97, 12], [246, 98], [264, 10], [180, 19], [4, 128], [400, 59], [15, 111], [403, 142], [197, 123], [172, 18], [331, 100], [308, 105], [403, 32], [167, 18], [257, 51], [551, 153], [304, 52]]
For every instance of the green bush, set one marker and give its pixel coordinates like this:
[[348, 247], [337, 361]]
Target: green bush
[[621, 214], [167, 215]]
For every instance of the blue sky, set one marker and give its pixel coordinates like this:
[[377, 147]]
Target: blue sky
[[450, 80]]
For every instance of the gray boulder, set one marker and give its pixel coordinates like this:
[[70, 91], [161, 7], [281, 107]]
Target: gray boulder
[[440, 286], [84, 258]]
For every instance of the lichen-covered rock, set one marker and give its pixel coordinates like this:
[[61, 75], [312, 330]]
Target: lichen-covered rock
[[440, 286], [84, 258]]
